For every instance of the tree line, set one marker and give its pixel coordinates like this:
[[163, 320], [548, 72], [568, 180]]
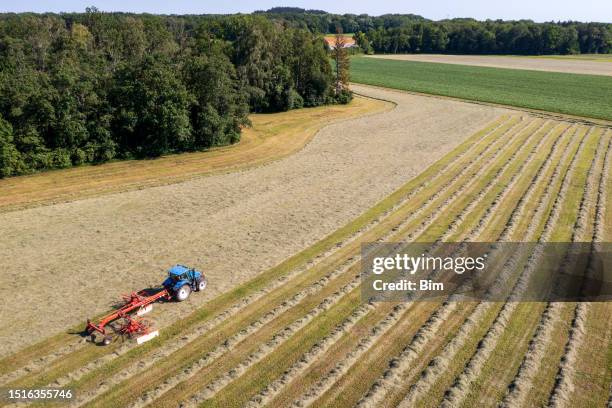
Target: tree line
[[410, 33], [92, 87], [489, 37]]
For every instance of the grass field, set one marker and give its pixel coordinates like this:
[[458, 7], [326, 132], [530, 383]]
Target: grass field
[[298, 335], [572, 94], [271, 137]]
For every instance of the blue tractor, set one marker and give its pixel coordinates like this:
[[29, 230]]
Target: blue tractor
[[181, 281]]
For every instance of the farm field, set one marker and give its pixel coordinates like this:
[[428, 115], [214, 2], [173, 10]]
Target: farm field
[[577, 64], [584, 57], [572, 94], [297, 334], [270, 137], [233, 225]]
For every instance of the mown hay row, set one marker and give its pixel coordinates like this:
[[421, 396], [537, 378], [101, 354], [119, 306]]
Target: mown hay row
[[594, 195], [468, 207], [456, 394], [520, 385], [90, 367], [392, 377], [511, 124], [440, 364]]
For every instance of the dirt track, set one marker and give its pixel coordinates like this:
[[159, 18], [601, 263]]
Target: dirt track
[[576, 66], [65, 262]]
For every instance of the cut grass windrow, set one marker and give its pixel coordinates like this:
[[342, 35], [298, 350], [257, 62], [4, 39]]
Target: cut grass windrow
[[516, 140], [459, 164], [510, 326], [592, 371], [440, 369], [317, 390], [268, 393], [506, 338], [403, 306], [191, 383], [392, 379], [54, 348], [240, 361], [540, 344], [487, 326], [561, 394]]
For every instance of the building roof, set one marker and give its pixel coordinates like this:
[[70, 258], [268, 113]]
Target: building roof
[[331, 41]]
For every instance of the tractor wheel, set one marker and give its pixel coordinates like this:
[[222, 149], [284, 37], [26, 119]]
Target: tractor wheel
[[183, 293], [202, 284], [107, 340]]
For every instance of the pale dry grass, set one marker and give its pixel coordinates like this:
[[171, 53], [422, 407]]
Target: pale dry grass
[[233, 226], [592, 66], [271, 137]]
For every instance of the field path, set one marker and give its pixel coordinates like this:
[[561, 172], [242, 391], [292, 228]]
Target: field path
[[576, 66], [77, 258]]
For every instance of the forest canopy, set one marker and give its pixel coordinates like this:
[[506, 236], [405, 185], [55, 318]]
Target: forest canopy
[[92, 87]]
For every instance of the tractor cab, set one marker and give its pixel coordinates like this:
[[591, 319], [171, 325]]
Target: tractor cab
[[181, 281]]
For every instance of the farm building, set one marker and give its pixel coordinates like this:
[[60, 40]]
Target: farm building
[[330, 40]]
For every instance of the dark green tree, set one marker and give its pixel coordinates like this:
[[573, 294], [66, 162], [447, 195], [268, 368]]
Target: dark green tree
[[219, 108], [151, 109], [11, 162]]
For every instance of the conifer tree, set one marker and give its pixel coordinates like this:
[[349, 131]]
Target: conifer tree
[[342, 62]]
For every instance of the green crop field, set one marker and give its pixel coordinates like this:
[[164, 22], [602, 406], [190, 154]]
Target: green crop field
[[573, 94]]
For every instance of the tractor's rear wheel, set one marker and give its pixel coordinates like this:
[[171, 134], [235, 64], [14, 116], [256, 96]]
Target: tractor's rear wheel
[[202, 284], [183, 293]]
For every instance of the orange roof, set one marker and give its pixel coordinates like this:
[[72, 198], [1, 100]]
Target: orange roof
[[331, 41]]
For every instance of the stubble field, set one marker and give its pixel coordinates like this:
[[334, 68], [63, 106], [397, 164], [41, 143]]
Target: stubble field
[[297, 334], [580, 64]]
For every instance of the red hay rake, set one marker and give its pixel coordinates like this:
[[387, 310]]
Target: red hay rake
[[179, 284], [125, 323]]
